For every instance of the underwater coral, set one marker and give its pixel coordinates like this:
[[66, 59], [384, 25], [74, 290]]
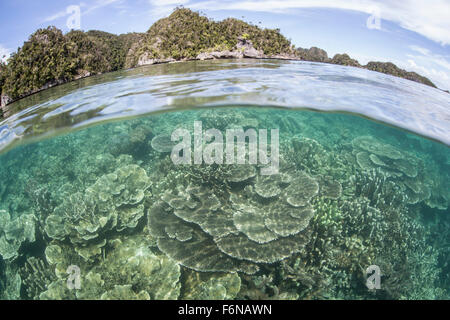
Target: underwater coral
[[109, 200]]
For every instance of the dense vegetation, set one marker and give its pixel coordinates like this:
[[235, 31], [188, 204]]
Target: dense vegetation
[[345, 60], [49, 57], [2, 81], [313, 54], [185, 34], [392, 69], [45, 58], [320, 55], [2, 74], [95, 51]]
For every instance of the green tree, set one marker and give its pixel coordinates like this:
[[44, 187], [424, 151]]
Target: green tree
[[2, 75], [45, 58]]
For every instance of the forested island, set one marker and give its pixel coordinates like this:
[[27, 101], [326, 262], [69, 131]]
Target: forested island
[[50, 57]]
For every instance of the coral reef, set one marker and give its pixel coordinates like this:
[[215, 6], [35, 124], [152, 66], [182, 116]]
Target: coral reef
[[406, 169], [128, 270], [14, 232], [132, 140], [204, 286], [10, 282], [113, 202], [261, 220], [36, 277], [139, 227]]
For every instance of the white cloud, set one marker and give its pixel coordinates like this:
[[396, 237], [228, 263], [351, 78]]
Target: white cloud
[[433, 58], [412, 63], [423, 51], [101, 4], [421, 60], [433, 66], [162, 8], [412, 66], [98, 4], [56, 16], [428, 18], [161, 3]]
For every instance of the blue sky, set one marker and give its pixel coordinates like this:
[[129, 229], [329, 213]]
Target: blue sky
[[414, 34]]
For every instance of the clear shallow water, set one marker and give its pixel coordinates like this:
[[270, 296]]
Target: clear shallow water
[[108, 201], [402, 103]]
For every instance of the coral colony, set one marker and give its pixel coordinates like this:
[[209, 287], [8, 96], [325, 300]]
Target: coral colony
[[110, 202]]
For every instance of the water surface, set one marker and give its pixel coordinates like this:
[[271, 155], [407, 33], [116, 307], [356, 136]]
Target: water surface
[[292, 84]]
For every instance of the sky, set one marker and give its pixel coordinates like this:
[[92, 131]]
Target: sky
[[413, 34]]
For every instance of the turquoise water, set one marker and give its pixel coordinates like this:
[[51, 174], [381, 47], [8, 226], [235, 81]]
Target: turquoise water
[[96, 209]]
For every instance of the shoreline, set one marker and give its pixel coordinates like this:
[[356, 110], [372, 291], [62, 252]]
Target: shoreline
[[5, 110]]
